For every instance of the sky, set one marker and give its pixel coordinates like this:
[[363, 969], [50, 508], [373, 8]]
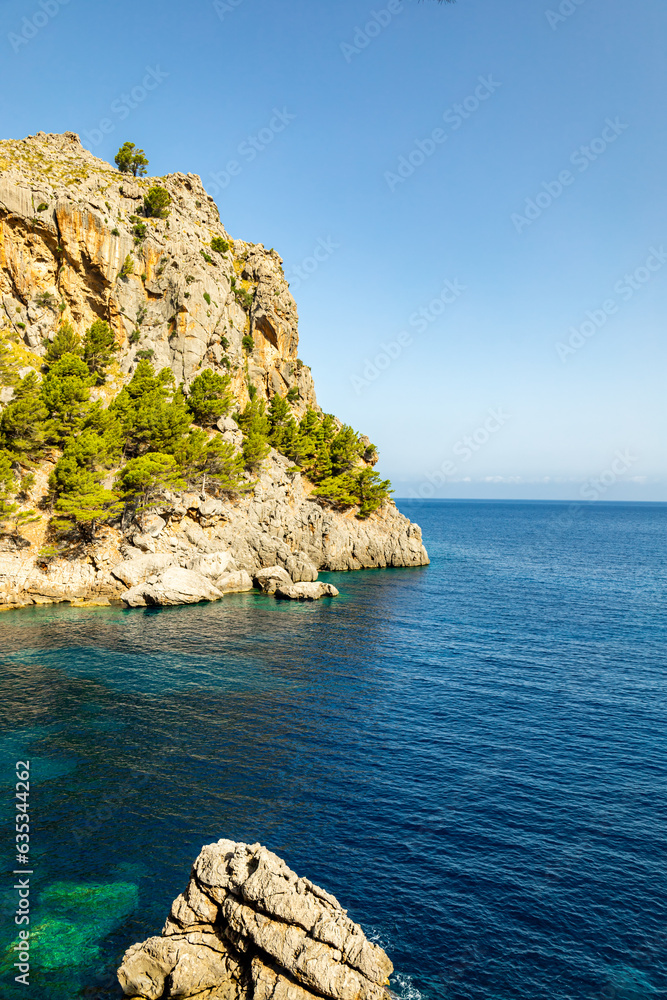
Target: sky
[[469, 199]]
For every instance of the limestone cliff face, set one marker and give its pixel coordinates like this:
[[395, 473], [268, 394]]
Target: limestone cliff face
[[68, 223], [74, 246]]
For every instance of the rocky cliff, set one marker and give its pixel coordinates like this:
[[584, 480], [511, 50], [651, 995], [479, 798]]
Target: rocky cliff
[[248, 928], [75, 247]]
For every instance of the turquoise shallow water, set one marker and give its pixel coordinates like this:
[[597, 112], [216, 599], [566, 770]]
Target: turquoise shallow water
[[471, 756]]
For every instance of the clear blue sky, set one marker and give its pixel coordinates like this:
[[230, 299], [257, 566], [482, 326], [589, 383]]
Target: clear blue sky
[[324, 174]]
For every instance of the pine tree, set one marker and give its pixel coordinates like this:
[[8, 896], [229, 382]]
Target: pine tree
[[153, 417], [22, 423], [255, 426], [224, 467], [156, 203], [66, 394], [131, 160], [86, 506], [7, 487], [209, 397], [146, 479], [255, 449], [87, 452], [371, 491], [279, 412], [99, 348], [66, 341], [345, 450]]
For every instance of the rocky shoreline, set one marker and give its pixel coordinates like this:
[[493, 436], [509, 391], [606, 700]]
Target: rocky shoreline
[[200, 548]]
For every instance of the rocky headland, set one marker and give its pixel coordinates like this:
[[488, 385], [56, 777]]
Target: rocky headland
[[80, 246], [248, 928]]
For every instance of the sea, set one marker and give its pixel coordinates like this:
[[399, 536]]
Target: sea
[[472, 756]]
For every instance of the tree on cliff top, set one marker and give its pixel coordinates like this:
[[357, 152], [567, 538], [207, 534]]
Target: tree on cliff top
[[131, 160]]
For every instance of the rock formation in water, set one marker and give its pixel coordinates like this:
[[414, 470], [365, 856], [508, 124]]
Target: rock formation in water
[[248, 928], [76, 246]]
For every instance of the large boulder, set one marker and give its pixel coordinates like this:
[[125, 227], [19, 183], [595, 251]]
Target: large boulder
[[174, 586], [301, 568], [234, 583], [269, 579], [248, 928], [212, 564], [306, 591], [136, 571]]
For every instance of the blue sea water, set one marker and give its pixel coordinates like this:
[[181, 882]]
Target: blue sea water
[[472, 756]]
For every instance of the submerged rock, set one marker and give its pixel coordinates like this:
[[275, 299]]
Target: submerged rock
[[74, 918], [248, 928]]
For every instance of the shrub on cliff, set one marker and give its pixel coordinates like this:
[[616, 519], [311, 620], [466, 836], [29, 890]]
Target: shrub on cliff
[[9, 362], [157, 202], [131, 160]]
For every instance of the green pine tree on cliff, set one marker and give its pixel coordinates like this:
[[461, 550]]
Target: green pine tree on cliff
[[131, 160]]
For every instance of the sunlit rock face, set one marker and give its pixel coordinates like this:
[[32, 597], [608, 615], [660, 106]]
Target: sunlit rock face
[[69, 223], [76, 245], [248, 928]]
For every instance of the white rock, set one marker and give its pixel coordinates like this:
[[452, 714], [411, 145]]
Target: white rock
[[154, 525], [174, 586], [234, 583], [306, 591], [136, 571], [212, 564], [269, 579]]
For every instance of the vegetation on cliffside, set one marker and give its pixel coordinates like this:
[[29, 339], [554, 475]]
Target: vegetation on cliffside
[[154, 438], [188, 381]]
